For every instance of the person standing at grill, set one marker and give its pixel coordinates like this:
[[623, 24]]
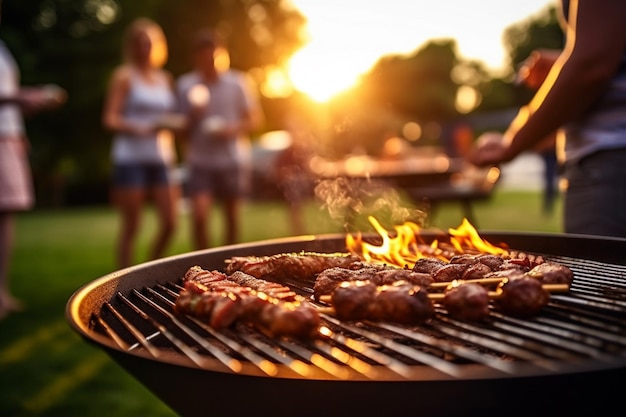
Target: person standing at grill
[[584, 95], [140, 94], [222, 109], [16, 189]]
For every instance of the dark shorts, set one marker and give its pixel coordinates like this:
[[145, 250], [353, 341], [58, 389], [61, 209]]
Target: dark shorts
[[141, 175], [217, 182], [595, 201]]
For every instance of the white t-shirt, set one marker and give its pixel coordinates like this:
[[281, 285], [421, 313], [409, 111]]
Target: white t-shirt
[[230, 100], [145, 104]]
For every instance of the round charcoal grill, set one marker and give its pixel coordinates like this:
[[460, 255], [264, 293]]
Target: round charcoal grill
[[565, 360]]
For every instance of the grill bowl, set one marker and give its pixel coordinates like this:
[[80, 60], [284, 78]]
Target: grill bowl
[[580, 388]]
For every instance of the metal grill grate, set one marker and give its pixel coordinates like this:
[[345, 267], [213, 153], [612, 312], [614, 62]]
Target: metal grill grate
[[586, 325]]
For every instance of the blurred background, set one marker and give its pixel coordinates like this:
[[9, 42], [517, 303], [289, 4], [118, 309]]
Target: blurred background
[[362, 77], [352, 73]]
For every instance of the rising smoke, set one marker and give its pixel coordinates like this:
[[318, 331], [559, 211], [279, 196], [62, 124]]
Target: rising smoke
[[351, 201]]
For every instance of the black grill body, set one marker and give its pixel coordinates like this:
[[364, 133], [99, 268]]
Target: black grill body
[[565, 361]]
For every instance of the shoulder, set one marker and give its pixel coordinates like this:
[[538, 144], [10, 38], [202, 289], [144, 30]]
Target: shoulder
[[121, 78], [121, 75]]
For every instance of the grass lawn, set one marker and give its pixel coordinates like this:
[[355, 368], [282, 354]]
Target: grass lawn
[[48, 370]]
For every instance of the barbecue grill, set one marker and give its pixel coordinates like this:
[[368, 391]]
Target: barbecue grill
[[566, 360]]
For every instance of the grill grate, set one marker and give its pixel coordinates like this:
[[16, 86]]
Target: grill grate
[[587, 324]]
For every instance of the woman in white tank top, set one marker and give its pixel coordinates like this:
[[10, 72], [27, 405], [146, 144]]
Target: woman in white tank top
[[143, 154]]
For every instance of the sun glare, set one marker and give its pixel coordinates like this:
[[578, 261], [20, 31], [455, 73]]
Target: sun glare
[[345, 39]]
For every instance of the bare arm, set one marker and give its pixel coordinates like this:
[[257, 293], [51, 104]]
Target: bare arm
[[596, 41]]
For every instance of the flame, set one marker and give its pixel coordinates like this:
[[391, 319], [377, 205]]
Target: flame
[[466, 236], [404, 247]]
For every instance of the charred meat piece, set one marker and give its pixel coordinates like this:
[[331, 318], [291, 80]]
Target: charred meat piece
[[450, 272], [390, 276], [521, 297], [221, 309], [352, 299], [428, 265], [399, 303], [467, 301], [465, 259], [238, 281], [511, 273], [552, 273], [328, 280], [302, 265], [494, 262], [475, 271]]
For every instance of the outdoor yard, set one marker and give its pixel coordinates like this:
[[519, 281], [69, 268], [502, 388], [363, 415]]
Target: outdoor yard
[[48, 370]]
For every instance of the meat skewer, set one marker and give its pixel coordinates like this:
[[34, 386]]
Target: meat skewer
[[302, 265], [220, 302], [430, 274], [399, 302], [469, 267], [328, 280], [469, 301], [218, 281]]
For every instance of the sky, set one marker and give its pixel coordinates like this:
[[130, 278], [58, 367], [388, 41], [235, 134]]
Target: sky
[[347, 37]]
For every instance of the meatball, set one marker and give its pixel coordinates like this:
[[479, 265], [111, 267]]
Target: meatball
[[467, 301], [351, 300], [405, 304], [521, 297]]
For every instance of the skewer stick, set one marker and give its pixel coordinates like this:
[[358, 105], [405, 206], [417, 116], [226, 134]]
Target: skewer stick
[[482, 281]]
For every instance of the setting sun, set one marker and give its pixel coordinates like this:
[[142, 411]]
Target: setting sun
[[345, 39]]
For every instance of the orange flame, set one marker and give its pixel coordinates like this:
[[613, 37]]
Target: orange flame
[[404, 247]]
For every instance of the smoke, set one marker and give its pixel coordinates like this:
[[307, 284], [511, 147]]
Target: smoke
[[352, 201]]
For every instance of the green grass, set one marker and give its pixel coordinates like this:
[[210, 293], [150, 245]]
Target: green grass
[[48, 370]]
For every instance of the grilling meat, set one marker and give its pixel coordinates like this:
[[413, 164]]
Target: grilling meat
[[302, 265], [552, 273], [428, 265], [328, 280], [471, 266], [220, 301], [521, 297], [467, 301], [399, 302], [218, 281]]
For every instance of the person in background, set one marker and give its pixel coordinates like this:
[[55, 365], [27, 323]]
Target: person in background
[[140, 95], [584, 95], [532, 74], [222, 110], [16, 188]]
